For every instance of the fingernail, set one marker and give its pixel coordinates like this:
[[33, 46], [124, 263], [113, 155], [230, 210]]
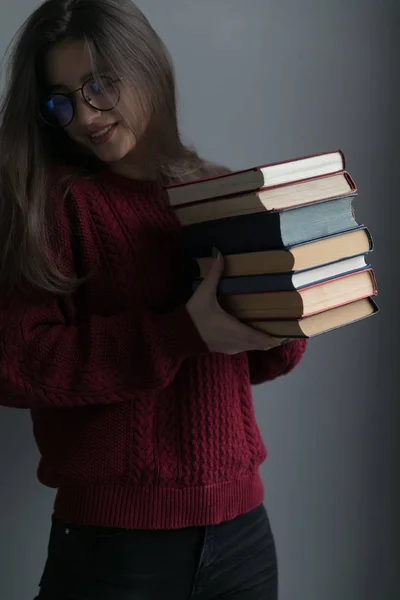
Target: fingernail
[[215, 252]]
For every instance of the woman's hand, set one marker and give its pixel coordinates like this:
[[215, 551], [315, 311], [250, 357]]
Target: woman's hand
[[219, 330]]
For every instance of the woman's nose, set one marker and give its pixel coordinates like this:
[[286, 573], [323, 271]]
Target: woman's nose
[[84, 113]]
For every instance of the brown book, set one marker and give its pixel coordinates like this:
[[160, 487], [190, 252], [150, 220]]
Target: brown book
[[296, 258], [320, 323], [274, 174], [300, 303], [271, 199]]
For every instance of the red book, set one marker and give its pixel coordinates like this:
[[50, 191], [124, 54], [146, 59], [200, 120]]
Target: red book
[[304, 302], [256, 178]]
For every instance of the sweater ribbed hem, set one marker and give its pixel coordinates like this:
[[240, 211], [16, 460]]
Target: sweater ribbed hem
[[154, 507]]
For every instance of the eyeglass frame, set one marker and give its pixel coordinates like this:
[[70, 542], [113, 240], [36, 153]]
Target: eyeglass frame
[[71, 97]]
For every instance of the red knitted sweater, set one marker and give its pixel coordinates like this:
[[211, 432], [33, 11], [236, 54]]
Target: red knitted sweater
[[137, 423]]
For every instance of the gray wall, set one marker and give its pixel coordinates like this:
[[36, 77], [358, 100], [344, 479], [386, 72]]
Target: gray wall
[[262, 80]]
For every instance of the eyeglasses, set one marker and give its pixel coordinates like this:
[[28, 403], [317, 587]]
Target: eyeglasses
[[58, 110]]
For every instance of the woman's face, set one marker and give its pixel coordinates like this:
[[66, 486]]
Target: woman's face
[[103, 133]]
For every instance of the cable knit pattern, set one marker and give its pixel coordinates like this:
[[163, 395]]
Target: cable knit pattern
[[137, 423]]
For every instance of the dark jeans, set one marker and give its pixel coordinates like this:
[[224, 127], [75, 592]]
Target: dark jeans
[[234, 560]]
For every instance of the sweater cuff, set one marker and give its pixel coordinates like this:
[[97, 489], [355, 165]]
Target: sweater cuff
[[180, 336], [280, 360]]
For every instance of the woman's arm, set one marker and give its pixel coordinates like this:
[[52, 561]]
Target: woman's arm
[[50, 358], [45, 362]]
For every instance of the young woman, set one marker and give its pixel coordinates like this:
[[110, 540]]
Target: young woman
[[140, 393]]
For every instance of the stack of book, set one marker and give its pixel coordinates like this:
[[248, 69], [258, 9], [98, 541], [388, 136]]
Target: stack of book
[[296, 259]]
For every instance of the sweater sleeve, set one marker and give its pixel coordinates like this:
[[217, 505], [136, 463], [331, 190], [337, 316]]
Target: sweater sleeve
[[50, 358], [265, 366], [45, 362]]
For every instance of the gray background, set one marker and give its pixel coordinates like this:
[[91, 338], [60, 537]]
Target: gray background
[[262, 80]]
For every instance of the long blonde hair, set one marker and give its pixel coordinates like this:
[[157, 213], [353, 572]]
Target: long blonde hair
[[115, 32]]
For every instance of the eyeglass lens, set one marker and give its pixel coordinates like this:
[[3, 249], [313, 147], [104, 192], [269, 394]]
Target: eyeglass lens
[[102, 94]]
